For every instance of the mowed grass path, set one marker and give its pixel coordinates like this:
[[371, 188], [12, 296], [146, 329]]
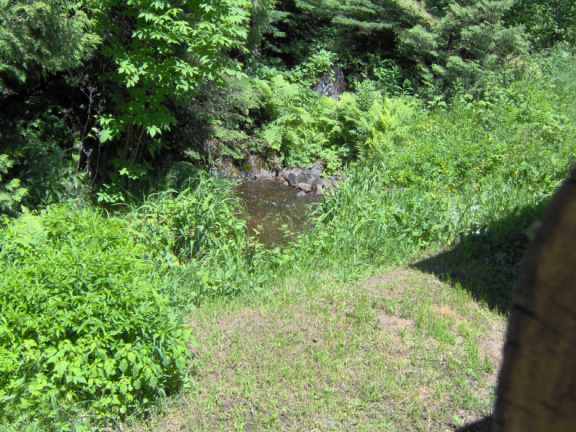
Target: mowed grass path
[[400, 352]]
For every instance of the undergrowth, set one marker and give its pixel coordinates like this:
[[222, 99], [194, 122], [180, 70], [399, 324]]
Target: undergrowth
[[91, 326]]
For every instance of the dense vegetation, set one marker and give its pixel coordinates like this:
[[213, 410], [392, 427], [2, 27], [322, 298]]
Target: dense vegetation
[[458, 125]]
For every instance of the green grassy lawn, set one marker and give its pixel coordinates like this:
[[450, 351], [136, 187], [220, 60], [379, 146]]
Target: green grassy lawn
[[403, 350]]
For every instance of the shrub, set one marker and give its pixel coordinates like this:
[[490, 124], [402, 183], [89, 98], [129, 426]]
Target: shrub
[[307, 130], [38, 161], [476, 167], [199, 233], [83, 327], [10, 192], [189, 223]]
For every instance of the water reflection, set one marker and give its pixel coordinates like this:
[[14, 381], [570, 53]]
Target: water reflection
[[270, 204]]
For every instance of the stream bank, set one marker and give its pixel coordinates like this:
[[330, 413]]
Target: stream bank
[[277, 201]]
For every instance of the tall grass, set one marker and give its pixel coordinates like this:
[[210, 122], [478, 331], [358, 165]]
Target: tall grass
[[480, 169]]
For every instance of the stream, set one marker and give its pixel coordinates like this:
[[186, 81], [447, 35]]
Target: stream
[[270, 205]]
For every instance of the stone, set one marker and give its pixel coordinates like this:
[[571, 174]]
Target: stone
[[256, 167], [319, 190], [264, 175], [301, 194], [227, 168], [315, 181], [306, 187], [331, 84], [293, 176]]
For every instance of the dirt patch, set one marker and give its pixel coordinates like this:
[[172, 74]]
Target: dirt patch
[[371, 285], [392, 322], [493, 346], [448, 313], [247, 319]]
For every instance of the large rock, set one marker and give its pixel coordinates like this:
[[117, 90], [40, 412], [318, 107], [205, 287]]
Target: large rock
[[256, 167], [227, 168], [332, 84], [309, 176], [293, 176]]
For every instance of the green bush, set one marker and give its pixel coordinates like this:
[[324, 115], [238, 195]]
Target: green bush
[[307, 129], [477, 167], [11, 193], [83, 326], [198, 232], [189, 223], [40, 157]]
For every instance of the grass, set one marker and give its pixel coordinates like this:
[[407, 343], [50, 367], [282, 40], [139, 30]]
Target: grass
[[317, 334], [417, 346], [400, 351]]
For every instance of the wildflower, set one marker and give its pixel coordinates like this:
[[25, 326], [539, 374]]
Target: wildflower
[[445, 186], [401, 188], [401, 153]]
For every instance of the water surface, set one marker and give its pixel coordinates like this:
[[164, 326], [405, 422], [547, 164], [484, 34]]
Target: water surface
[[270, 204]]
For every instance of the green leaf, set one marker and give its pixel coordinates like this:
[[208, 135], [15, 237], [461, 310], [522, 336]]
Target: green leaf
[[153, 381], [105, 135]]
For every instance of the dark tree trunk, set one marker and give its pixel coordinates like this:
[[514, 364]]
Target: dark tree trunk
[[537, 384]]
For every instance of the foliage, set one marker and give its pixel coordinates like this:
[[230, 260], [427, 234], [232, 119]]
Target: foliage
[[11, 193], [83, 327], [198, 231], [91, 321], [160, 53], [482, 169], [307, 130], [437, 44], [37, 149], [462, 45], [191, 222], [39, 38], [546, 22], [221, 120], [311, 69], [263, 17]]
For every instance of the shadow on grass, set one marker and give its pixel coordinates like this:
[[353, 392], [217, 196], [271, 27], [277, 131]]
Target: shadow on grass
[[487, 263], [483, 425]]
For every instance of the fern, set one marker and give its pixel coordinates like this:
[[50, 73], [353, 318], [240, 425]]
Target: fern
[[308, 131], [11, 193]]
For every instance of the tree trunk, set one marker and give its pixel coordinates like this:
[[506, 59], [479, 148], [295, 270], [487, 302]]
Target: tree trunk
[[537, 383]]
